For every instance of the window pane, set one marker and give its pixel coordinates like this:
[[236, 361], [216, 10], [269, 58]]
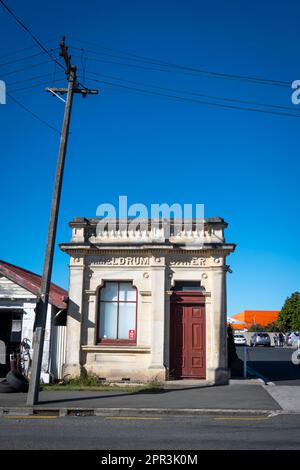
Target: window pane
[[108, 320], [127, 293], [110, 291], [126, 319]]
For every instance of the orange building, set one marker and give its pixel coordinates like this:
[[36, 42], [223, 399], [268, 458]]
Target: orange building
[[252, 317]]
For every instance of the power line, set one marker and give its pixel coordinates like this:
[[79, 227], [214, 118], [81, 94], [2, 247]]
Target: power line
[[18, 51], [39, 43], [25, 95], [144, 59], [172, 90], [35, 85], [32, 86], [191, 100], [30, 78], [30, 33], [138, 66], [213, 75], [24, 68], [20, 59], [32, 113]]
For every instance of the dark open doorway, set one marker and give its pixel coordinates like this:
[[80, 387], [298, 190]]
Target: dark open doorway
[[10, 333]]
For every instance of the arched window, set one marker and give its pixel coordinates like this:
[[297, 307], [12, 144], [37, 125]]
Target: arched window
[[117, 311]]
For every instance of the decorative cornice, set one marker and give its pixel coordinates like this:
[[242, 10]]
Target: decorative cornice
[[77, 250]]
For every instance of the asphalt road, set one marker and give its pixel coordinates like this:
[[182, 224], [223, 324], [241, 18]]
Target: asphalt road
[[205, 432], [273, 363]]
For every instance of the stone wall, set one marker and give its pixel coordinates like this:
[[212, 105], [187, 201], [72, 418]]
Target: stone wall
[[153, 265]]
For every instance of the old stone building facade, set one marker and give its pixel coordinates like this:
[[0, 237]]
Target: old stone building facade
[[144, 305]]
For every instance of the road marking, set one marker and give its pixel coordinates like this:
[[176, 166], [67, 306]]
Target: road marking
[[242, 418], [131, 418], [30, 417]]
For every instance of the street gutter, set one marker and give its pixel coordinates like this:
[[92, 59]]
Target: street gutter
[[63, 412]]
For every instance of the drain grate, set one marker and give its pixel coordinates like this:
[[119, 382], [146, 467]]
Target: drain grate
[[37, 412], [80, 413]]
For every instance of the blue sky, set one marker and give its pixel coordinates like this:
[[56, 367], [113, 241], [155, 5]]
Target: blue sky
[[243, 166]]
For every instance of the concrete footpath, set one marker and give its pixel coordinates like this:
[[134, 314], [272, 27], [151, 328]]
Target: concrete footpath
[[288, 397], [250, 396]]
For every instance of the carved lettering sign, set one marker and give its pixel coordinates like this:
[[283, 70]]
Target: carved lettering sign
[[119, 261], [194, 261]]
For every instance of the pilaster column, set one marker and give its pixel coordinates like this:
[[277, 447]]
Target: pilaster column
[[74, 317], [157, 368], [167, 332], [218, 370]]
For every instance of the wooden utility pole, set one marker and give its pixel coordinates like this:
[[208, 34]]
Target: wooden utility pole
[[42, 301]]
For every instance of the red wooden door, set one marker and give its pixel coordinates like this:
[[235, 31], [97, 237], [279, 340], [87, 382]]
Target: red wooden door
[[187, 352]]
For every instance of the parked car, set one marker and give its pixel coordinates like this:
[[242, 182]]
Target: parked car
[[292, 338], [239, 339], [260, 339]]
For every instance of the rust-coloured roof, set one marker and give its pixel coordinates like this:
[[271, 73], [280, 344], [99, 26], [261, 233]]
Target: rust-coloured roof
[[261, 317], [239, 326], [32, 282]]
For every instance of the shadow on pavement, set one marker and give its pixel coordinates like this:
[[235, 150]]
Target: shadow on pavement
[[104, 395], [276, 371]]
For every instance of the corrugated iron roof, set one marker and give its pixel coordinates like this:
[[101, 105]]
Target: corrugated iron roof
[[32, 282]]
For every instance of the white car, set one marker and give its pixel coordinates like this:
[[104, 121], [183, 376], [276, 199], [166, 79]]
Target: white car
[[292, 338], [239, 340]]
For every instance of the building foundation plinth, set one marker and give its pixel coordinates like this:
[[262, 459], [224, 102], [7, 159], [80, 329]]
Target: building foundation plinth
[[71, 371]]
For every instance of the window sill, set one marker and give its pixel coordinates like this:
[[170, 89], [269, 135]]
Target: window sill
[[116, 348]]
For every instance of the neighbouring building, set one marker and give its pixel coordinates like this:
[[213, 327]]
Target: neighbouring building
[[18, 295], [144, 304], [250, 318]]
